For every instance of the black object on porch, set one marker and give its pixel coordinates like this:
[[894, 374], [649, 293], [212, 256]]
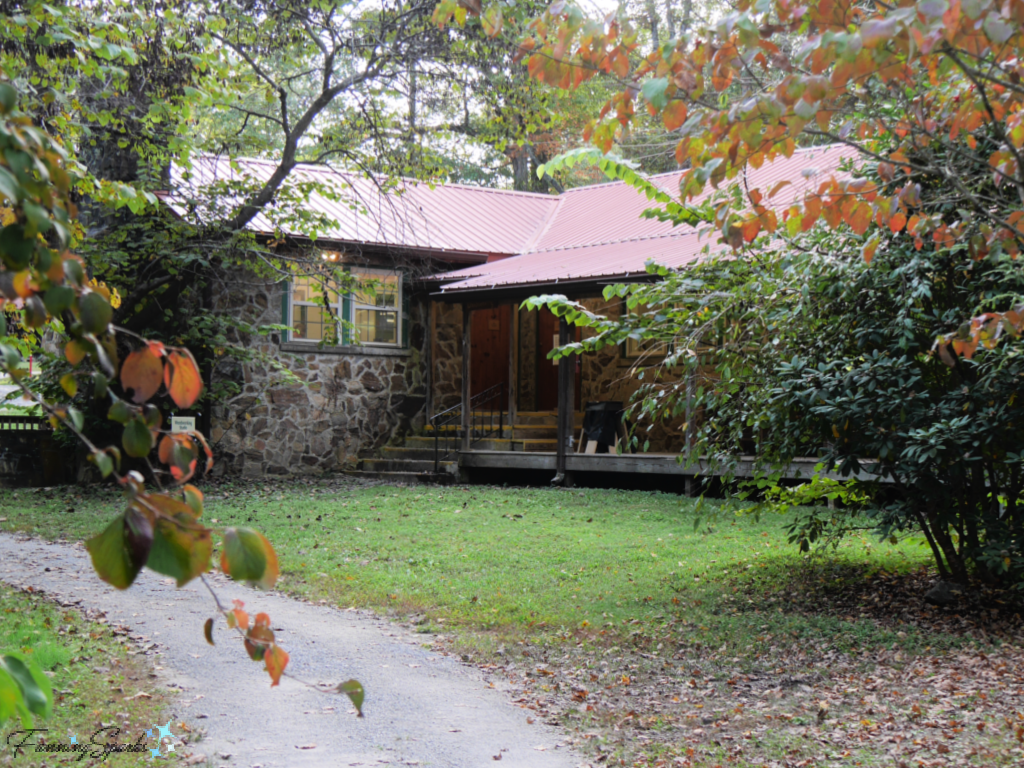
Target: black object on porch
[[601, 425]]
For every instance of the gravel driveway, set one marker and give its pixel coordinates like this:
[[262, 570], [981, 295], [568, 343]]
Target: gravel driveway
[[421, 708]]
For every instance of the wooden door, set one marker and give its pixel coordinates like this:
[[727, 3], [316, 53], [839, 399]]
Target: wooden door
[[547, 371], [488, 359]]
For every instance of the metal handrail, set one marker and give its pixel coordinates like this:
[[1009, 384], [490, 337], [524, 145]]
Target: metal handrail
[[483, 408]]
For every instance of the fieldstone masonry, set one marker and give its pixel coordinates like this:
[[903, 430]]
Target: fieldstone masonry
[[343, 404]]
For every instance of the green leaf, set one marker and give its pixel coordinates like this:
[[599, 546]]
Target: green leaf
[[8, 98], [9, 186], [997, 30], [57, 299], [95, 312], [120, 412], [654, 91], [181, 548], [103, 463], [137, 439], [114, 558], [354, 690], [10, 697], [33, 684], [69, 384], [76, 418], [248, 556], [15, 249]]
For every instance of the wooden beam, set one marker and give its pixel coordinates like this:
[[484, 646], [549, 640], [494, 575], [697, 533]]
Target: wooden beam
[[691, 428], [566, 407], [467, 413], [431, 354], [513, 370], [598, 464]]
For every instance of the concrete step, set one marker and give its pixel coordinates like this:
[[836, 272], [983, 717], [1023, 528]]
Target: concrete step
[[535, 432], [413, 454], [401, 465], [403, 478]]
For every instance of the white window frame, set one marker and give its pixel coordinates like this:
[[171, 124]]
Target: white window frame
[[336, 306], [355, 305], [349, 300]]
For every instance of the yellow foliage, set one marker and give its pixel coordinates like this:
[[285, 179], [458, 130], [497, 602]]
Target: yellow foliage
[[110, 294]]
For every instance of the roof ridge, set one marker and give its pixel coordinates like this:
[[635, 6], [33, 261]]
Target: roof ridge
[[407, 179]]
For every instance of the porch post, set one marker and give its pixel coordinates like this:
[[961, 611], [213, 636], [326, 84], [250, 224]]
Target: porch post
[[691, 394], [566, 422], [513, 373], [467, 415], [431, 356]]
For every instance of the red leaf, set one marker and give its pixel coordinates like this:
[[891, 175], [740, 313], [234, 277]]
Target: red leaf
[[181, 376], [141, 373], [236, 617], [898, 221], [868, 252], [164, 452], [276, 659], [674, 115]]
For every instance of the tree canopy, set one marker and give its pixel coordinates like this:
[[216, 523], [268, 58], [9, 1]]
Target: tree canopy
[[875, 320]]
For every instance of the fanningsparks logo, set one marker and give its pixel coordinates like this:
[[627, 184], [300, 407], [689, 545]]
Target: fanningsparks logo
[[102, 744]]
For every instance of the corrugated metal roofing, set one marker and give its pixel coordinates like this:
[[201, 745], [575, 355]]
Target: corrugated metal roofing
[[448, 218], [586, 233], [597, 232]]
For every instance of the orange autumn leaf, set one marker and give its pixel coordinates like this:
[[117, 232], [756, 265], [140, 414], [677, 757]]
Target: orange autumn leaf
[[674, 115], [142, 373], [276, 659], [182, 379]]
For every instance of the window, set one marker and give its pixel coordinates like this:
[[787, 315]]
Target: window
[[373, 308], [309, 320], [647, 349], [376, 309]]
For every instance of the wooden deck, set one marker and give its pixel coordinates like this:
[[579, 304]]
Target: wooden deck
[[635, 463]]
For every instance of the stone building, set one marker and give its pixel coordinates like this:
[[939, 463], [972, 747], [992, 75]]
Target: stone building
[[450, 266]]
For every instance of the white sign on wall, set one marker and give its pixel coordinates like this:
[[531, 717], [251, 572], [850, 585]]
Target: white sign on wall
[[183, 423]]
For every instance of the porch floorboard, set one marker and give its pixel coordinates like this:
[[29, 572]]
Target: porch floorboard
[[634, 463]]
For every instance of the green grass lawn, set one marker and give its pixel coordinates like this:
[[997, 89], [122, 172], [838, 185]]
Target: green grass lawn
[[518, 562], [95, 681], [653, 640]]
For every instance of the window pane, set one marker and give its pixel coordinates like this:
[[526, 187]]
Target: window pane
[[308, 323], [310, 290], [382, 291], [376, 327]]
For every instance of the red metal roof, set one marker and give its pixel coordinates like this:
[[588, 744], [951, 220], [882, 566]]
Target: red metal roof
[[519, 238], [444, 218], [596, 232]]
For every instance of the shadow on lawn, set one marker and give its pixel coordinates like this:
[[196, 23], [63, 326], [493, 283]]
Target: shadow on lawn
[[848, 591]]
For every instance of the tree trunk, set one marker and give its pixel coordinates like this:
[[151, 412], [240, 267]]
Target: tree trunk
[[653, 21], [521, 181]]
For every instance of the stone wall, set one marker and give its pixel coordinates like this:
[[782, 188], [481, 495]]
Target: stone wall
[[343, 404], [608, 375], [446, 374]]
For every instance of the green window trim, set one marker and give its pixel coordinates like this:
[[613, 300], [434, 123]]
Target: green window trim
[[286, 293]]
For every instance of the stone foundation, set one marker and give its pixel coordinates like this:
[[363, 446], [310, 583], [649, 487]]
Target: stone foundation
[[340, 405]]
